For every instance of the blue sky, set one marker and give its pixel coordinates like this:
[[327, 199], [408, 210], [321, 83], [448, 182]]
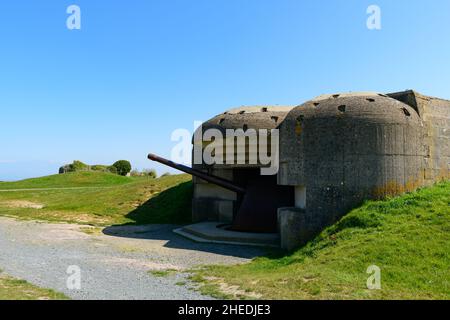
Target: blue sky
[[137, 70]]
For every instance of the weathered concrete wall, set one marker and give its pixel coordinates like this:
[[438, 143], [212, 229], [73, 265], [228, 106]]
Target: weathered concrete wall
[[338, 150], [437, 123], [291, 225], [435, 114], [345, 149], [211, 202], [245, 119]]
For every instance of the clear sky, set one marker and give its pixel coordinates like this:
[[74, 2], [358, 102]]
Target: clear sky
[[137, 70]]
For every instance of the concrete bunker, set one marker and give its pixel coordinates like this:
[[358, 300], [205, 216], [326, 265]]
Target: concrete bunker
[[335, 151], [256, 210]]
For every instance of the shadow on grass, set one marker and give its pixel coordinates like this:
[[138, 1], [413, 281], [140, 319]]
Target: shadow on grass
[[171, 208]]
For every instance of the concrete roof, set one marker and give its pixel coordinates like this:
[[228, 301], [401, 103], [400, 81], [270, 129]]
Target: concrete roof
[[255, 109], [347, 94]]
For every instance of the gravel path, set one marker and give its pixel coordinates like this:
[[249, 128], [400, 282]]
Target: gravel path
[[114, 263]]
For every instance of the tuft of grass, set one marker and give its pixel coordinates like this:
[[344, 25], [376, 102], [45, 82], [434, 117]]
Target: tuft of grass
[[15, 289], [102, 199], [162, 273], [407, 237], [93, 231]]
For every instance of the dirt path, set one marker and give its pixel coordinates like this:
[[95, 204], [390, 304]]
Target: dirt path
[[114, 263]]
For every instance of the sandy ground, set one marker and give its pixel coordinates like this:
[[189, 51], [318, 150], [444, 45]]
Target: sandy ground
[[114, 262]]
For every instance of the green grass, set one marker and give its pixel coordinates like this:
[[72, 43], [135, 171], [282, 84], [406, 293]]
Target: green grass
[[15, 289], [162, 273], [408, 237], [108, 199], [69, 180]]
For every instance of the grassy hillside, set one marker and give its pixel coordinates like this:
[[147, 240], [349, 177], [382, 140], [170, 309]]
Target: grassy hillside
[[69, 180], [407, 237], [15, 289], [99, 199]]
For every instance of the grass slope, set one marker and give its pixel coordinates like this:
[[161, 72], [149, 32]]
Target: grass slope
[[14, 289], [108, 199], [69, 180], [408, 237]]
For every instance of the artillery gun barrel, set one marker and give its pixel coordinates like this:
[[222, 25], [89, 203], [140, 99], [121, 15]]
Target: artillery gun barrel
[[204, 176]]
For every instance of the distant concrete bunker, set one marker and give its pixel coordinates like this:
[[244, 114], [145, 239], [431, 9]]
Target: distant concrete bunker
[[335, 151]]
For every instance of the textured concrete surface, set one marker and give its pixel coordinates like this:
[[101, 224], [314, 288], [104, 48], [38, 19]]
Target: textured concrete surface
[[215, 232], [114, 264], [340, 149], [347, 148], [291, 223], [435, 114], [208, 198]]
